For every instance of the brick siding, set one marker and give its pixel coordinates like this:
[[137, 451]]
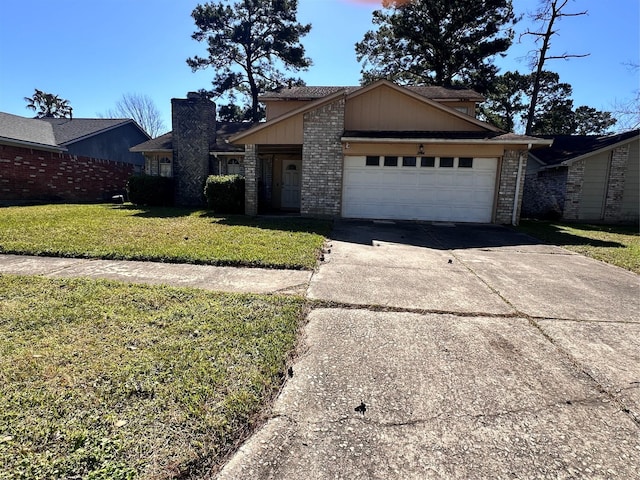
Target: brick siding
[[322, 161], [507, 187], [28, 175], [575, 178], [250, 180], [544, 193], [615, 187]]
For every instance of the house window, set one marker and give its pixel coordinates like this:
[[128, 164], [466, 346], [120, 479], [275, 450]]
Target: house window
[[390, 161], [154, 167], [465, 162], [233, 166], [446, 162], [464, 110], [408, 161], [427, 161], [373, 161], [165, 167]]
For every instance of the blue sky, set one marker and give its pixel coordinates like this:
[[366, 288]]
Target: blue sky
[[92, 51]]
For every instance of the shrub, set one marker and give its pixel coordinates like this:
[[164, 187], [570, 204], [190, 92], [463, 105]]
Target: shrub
[[149, 190], [225, 193]]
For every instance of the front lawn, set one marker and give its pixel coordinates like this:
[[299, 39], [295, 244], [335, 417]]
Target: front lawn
[[618, 245], [106, 380], [161, 234]]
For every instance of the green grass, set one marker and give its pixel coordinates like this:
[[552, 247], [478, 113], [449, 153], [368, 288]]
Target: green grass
[[618, 245], [105, 380], [161, 234]]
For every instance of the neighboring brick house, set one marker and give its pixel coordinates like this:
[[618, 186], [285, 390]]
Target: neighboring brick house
[[383, 152], [585, 177], [196, 148], [75, 160]]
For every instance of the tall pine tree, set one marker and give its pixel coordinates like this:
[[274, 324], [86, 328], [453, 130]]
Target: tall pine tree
[[437, 42], [251, 44]]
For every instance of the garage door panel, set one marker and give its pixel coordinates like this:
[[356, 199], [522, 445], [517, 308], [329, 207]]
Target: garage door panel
[[420, 193]]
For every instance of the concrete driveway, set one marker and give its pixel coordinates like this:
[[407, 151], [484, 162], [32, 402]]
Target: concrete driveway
[[476, 353]]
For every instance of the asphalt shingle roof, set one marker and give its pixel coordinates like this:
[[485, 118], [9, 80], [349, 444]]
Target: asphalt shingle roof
[[223, 132], [68, 130], [567, 147], [29, 130], [314, 93]]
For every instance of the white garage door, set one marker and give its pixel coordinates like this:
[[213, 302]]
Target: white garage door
[[453, 189]]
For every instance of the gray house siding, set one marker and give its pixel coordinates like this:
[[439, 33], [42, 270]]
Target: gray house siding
[[594, 187], [112, 145], [631, 197]]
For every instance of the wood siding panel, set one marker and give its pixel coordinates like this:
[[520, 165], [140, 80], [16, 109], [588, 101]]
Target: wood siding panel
[[631, 196], [594, 187], [383, 109], [431, 150], [287, 132], [278, 108]]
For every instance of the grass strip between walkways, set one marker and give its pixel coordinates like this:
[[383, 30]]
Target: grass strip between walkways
[[177, 235], [106, 380], [615, 244]]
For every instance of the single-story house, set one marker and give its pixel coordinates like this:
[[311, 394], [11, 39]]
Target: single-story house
[[586, 178], [383, 151], [66, 159]]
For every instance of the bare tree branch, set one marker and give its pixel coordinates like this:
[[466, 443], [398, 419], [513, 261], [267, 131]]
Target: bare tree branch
[[140, 108]]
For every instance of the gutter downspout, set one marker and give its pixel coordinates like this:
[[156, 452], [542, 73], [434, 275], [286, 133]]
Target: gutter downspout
[[514, 215]]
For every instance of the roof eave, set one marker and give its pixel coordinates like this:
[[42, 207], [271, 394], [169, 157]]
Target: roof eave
[[98, 132], [34, 145], [570, 161], [474, 141], [303, 109]]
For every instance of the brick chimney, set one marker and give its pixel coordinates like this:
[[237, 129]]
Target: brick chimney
[[194, 131]]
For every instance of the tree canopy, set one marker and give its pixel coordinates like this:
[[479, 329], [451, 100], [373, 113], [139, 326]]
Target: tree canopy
[[509, 98], [48, 105], [140, 108], [437, 42], [252, 44]]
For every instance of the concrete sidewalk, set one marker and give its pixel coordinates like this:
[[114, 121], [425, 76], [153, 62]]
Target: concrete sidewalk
[[223, 279]]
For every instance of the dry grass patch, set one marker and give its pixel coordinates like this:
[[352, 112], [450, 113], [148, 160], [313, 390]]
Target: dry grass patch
[[615, 244], [105, 380]]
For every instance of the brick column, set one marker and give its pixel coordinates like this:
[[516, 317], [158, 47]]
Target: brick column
[[322, 160], [250, 180], [575, 177], [615, 186], [507, 187]]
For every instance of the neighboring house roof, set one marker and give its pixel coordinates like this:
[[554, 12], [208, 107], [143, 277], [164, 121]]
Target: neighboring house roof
[[567, 149], [28, 132], [313, 93], [224, 130], [67, 130]]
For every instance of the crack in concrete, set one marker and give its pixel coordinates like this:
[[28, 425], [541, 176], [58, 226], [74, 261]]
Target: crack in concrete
[[424, 421], [56, 271]]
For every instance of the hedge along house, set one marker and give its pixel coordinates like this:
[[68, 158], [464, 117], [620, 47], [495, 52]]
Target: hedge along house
[[585, 178], [383, 152], [196, 147]]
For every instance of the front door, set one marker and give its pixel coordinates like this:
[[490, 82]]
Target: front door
[[291, 184]]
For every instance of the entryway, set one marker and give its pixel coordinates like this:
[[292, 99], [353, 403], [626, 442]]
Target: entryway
[[291, 184]]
